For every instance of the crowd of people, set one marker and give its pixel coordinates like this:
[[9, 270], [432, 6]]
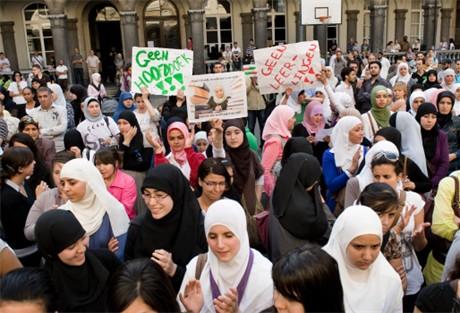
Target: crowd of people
[[344, 198]]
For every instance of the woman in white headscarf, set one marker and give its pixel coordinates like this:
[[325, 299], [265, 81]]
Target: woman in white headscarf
[[416, 99], [101, 215], [369, 282], [356, 184], [231, 275], [96, 87], [402, 75], [411, 138], [342, 161]]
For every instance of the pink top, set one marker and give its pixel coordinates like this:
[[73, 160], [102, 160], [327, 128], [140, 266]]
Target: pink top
[[277, 122], [123, 188], [272, 152]]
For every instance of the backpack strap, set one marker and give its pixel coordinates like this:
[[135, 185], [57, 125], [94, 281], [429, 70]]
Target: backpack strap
[[371, 121], [405, 167], [200, 263]]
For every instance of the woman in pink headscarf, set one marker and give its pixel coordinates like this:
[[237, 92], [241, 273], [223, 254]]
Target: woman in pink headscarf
[[276, 132], [182, 154], [313, 122]]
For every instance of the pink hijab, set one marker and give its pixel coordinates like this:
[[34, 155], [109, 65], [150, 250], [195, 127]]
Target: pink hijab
[[277, 122], [179, 156], [313, 108]]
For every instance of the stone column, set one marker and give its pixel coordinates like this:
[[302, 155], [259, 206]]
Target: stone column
[[246, 22], [196, 18], [72, 35], [446, 14], [9, 44], [260, 21], [59, 30], [378, 15], [352, 24], [400, 21], [430, 16], [320, 34], [128, 23], [300, 30], [188, 32]]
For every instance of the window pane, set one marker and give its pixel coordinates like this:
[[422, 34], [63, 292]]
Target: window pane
[[226, 23], [332, 32], [226, 36], [47, 32], [48, 44], [33, 33], [278, 5], [269, 22], [211, 37], [280, 34], [34, 44], [211, 23], [280, 21]]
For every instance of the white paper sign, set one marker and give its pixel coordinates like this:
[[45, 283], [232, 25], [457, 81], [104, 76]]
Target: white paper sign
[[220, 95], [293, 65], [161, 71]]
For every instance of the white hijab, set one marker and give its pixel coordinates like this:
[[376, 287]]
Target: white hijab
[[456, 109], [57, 90], [293, 101], [342, 148], [398, 77], [97, 201], [376, 289], [411, 139], [259, 290], [365, 177], [414, 95]]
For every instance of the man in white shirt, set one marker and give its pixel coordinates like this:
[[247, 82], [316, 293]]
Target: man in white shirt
[[38, 59], [93, 63], [5, 67], [337, 62], [385, 65], [51, 118], [236, 56], [62, 74], [348, 78]]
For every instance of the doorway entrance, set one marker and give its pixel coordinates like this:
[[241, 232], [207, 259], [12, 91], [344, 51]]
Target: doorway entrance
[[104, 27], [161, 24]]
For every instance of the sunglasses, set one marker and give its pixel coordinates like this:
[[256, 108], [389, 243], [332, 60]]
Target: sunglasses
[[386, 155]]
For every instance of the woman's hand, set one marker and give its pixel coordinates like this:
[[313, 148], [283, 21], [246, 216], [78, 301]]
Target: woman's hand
[[419, 232], [408, 184], [355, 162], [164, 259], [155, 141], [145, 93], [128, 137], [42, 187], [452, 156], [76, 151], [113, 245], [227, 303], [189, 139], [193, 297], [404, 220]]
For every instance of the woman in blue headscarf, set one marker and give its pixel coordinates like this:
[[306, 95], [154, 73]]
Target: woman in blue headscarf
[[125, 103]]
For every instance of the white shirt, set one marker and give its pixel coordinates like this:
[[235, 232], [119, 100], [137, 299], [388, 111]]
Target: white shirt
[[342, 87], [92, 61], [53, 123], [5, 67], [14, 87], [62, 69], [94, 133]]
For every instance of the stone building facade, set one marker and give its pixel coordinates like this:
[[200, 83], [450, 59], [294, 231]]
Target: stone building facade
[[54, 28]]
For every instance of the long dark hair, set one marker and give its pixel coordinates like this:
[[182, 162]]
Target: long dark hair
[[310, 276], [214, 166], [142, 278]]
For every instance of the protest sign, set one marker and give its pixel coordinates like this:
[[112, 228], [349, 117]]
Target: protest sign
[[220, 95], [161, 71], [293, 65]]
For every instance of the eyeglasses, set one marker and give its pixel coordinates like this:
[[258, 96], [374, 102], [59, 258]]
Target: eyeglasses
[[214, 184], [156, 197], [390, 156]]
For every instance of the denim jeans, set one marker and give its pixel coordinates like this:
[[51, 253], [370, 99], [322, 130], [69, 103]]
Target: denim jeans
[[252, 116]]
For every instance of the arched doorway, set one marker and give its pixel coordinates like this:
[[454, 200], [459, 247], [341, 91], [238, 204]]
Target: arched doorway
[[161, 24], [104, 27]]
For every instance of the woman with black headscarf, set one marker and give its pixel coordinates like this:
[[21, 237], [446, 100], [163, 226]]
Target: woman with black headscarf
[[295, 145], [413, 177], [80, 93], [435, 143], [431, 80], [450, 125], [136, 159], [170, 232], [297, 209], [80, 275]]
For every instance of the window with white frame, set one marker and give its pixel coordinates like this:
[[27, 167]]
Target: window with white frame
[[218, 33], [38, 32], [416, 21], [276, 22], [332, 36], [366, 21]]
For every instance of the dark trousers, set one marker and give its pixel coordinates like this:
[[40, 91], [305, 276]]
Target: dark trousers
[[254, 115], [78, 76]]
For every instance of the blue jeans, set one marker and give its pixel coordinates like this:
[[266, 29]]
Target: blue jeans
[[254, 115]]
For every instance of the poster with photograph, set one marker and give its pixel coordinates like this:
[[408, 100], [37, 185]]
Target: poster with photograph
[[161, 71], [293, 65], [220, 95]]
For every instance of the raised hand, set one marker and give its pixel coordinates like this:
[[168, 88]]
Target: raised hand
[[192, 299]]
